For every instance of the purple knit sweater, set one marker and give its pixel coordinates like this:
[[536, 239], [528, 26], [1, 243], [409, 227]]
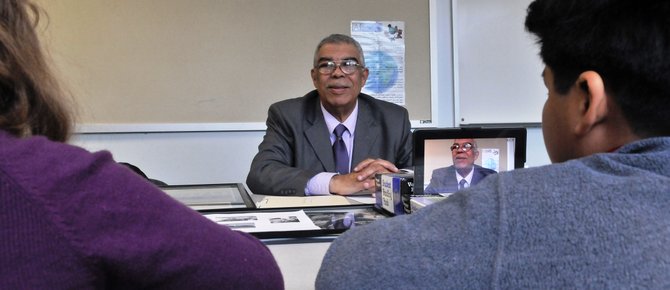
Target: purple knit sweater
[[70, 219]]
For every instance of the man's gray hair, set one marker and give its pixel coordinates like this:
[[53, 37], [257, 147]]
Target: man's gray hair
[[339, 39]]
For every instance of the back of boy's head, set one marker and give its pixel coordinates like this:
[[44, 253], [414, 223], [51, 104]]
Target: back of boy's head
[[626, 41]]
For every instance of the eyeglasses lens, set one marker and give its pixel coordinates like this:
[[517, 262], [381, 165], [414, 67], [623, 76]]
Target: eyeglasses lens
[[347, 66], [465, 148]]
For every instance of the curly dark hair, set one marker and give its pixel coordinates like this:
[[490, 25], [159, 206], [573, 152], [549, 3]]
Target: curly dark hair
[[626, 41], [31, 100]]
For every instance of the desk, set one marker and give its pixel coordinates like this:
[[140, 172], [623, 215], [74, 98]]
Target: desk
[[269, 201], [299, 260], [298, 254], [226, 196]]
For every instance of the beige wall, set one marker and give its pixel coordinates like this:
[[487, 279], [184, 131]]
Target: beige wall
[[211, 61]]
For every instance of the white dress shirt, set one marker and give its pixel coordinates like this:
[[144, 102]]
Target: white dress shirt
[[320, 183]]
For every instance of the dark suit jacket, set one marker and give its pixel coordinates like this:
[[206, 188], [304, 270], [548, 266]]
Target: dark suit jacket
[[297, 146], [444, 179]]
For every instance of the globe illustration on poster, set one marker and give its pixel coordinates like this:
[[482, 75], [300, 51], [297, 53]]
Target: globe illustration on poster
[[383, 71]]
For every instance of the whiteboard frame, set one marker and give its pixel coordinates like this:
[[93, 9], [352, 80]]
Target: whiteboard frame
[[523, 70], [187, 127]]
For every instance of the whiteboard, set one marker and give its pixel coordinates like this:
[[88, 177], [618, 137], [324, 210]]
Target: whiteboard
[[497, 68], [211, 61]]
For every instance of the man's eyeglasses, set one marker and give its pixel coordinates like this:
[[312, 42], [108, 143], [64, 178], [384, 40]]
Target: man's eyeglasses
[[348, 66], [465, 147]]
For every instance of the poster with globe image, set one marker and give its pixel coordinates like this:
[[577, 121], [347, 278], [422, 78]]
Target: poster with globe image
[[383, 44]]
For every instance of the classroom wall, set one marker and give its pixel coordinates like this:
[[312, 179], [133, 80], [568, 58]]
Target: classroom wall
[[216, 153], [212, 157], [210, 61]]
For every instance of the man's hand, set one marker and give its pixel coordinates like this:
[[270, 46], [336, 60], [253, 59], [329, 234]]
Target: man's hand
[[362, 177], [369, 167], [346, 184]]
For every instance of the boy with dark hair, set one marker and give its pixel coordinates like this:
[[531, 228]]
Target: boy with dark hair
[[596, 218]]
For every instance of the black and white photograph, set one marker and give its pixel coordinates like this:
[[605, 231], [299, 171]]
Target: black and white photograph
[[289, 219], [265, 221], [228, 219], [342, 220]]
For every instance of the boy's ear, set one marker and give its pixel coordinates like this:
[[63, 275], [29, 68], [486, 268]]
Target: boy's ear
[[593, 102]]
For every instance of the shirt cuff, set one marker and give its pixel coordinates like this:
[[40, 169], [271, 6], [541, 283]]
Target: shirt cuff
[[319, 184]]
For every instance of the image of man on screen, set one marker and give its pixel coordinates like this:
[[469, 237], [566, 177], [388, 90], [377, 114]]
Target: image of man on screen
[[463, 173]]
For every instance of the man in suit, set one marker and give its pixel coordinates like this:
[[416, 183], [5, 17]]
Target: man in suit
[[463, 173], [298, 153]]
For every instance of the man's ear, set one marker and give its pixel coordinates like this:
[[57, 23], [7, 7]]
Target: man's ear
[[314, 74], [592, 102], [364, 76]]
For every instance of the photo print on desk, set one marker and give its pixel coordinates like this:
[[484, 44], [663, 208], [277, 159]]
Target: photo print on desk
[[329, 220]]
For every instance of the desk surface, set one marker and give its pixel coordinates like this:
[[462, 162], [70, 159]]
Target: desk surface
[[299, 259], [236, 196], [299, 262], [269, 201]]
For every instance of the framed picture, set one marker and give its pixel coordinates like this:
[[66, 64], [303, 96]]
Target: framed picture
[[211, 196]]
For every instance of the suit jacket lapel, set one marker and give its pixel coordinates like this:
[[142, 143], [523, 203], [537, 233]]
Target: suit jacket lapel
[[315, 129], [453, 177], [477, 175], [366, 135]]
